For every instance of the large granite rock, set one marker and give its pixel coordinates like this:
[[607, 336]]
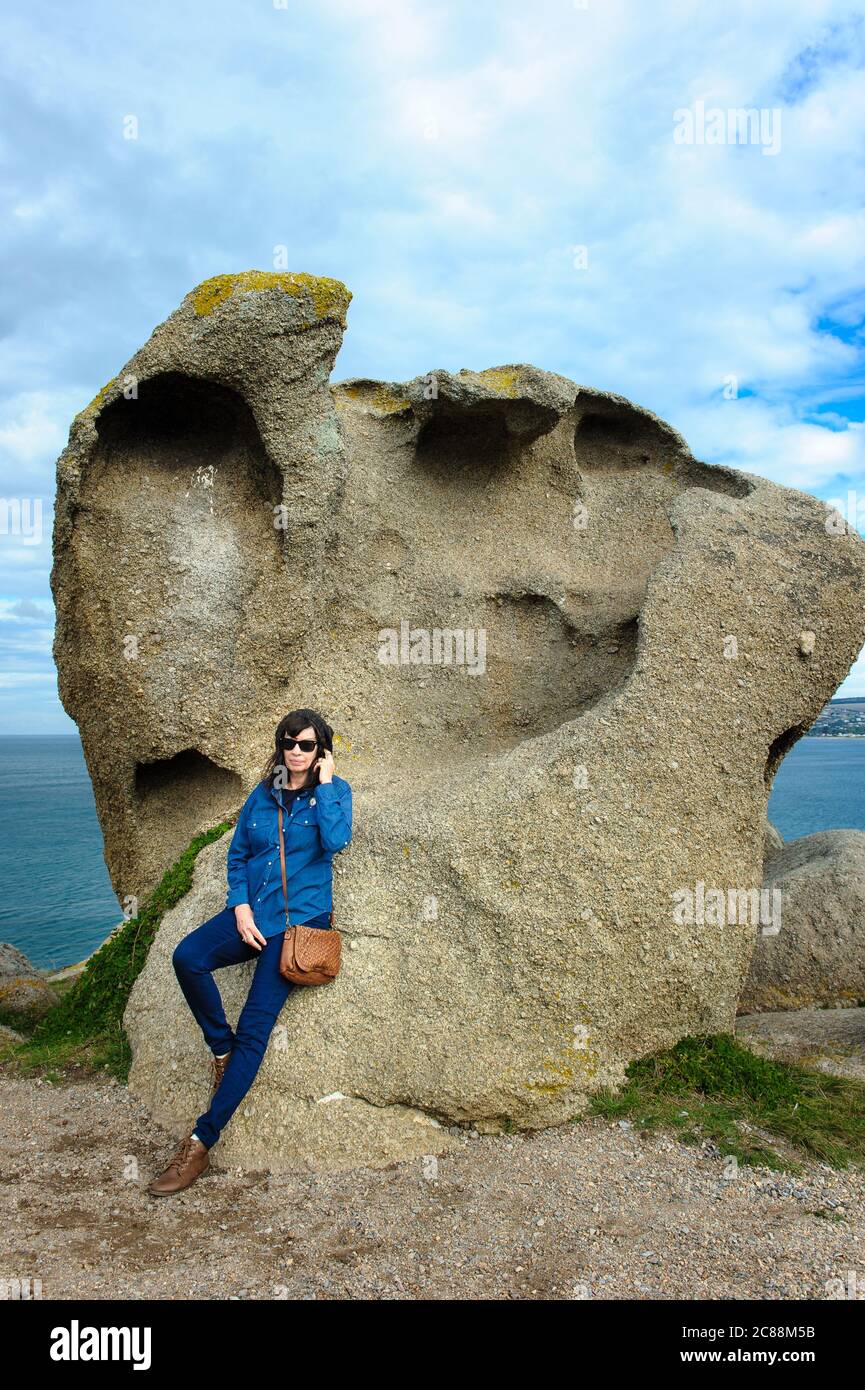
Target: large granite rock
[[645, 638], [24, 988], [818, 955]]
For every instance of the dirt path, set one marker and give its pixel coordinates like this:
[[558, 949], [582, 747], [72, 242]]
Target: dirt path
[[588, 1210]]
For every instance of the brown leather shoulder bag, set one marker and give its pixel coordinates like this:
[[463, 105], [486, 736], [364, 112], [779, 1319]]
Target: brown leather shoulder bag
[[309, 955]]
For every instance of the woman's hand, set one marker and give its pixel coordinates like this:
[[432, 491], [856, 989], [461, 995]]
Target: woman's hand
[[325, 766], [245, 923]]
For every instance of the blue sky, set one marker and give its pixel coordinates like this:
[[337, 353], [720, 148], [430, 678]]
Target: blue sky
[[447, 161]]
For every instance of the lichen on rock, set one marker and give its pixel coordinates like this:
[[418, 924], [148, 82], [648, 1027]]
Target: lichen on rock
[[329, 298]]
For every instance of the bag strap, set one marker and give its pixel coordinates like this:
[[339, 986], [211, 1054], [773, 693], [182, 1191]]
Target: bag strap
[[282, 867]]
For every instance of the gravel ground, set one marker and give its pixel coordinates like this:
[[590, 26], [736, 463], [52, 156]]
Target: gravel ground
[[591, 1210]]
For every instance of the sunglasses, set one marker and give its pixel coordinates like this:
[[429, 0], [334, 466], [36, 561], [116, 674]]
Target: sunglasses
[[305, 745]]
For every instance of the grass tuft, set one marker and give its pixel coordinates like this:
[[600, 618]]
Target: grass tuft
[[759, 1110], [84, 1029]]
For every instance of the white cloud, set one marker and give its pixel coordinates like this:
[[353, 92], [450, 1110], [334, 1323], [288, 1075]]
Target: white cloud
[[760, 438], [444, 160], [854, 683], [23, 680], [390, 32], [25, 611], [33, 430]]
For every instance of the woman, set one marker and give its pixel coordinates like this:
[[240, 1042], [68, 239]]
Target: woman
[[316, 825]]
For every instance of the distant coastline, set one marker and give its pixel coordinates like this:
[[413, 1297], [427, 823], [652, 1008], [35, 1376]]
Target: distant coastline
[[841, 718], [833, 735]]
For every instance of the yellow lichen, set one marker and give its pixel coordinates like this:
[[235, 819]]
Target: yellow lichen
[[384, 402], [551, 1088], [378, 399], [504, 380], [558, 1066], [329, 298], [98, 400], [584, 1057]]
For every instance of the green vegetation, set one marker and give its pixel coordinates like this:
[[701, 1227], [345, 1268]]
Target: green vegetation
[[761, 1111], [84, 1029]]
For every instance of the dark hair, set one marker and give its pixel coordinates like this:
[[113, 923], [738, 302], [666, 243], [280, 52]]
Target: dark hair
[[292, 724]]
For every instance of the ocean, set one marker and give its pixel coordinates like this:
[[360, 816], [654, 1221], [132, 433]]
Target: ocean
[[58, 904]]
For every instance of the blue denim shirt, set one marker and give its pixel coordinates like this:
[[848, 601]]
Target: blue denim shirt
[[316, 824]]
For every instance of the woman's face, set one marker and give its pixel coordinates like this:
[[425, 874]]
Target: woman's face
[[295, 759]]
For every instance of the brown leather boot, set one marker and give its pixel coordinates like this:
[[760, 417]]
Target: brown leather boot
[[188, 1163], [218, 1065]]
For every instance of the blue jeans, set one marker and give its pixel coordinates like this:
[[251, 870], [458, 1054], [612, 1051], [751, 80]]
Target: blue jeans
[[214, 944]]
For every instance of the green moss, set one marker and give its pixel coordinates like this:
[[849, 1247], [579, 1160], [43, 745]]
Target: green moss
[[85, 1028], [329, 298], [712, 1087]]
